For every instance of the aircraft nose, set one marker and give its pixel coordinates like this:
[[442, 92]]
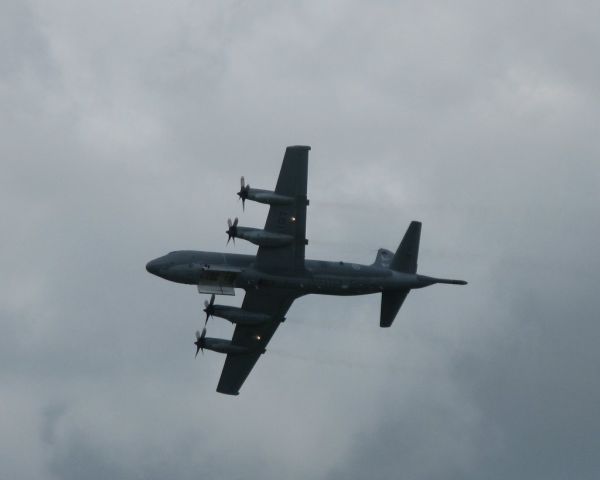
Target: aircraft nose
[[152, 267]]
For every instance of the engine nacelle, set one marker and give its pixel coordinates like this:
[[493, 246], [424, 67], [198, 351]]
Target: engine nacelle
[[269, 197], [239, 316], [223, 346], [262, 238]]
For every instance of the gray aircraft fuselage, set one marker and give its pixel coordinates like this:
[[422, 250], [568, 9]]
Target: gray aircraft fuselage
[[322, 277]]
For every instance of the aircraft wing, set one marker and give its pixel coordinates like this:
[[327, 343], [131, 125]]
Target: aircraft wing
[[288, 219], [274, 302]]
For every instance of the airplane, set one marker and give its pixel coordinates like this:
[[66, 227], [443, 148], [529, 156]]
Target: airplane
[[279, 273]]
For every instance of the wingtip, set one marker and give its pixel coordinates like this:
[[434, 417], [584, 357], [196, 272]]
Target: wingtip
[[227, 392], [298, 147]]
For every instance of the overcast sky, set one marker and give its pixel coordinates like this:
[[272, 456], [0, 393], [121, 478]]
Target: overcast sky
[[125, 126]]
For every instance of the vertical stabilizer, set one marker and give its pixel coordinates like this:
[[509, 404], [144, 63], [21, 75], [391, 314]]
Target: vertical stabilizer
[[405, 258]]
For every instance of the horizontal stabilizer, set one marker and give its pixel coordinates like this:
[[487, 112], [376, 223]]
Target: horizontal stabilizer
[[405, 258], [390, 304]]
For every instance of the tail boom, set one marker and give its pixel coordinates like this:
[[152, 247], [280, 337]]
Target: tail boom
[[425, 281]]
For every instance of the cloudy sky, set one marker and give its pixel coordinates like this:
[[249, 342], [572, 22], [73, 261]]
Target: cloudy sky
[[125, 127]]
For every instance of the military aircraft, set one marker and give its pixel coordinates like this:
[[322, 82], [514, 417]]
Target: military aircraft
[[279, 274]]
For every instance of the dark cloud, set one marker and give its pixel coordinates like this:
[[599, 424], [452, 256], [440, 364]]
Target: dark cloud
[[125, 130]]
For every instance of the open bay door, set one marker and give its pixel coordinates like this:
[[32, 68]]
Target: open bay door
[[218, 279]]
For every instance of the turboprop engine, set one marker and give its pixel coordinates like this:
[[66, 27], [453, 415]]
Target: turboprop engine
[[218, 345], [259, 237], [233, 314], [261, 196]]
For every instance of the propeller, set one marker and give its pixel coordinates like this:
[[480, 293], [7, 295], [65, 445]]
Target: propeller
[[243, 193], [200, 341], [232, 230], [208, 308]]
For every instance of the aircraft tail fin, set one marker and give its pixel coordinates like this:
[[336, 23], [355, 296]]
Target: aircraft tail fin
[[390, 304], [405, 258]]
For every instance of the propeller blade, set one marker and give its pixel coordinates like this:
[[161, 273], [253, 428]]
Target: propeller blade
[[200, 341], [243, 193], [208, 307], [197, 343], [232, 230]]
